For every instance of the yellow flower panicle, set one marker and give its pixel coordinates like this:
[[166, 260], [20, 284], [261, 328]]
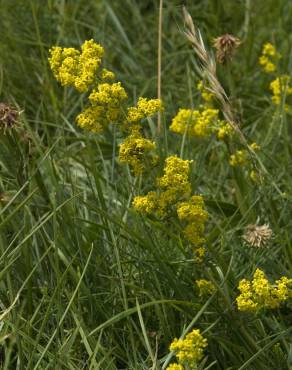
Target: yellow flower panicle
[[138, 153], [75, 68], [260, 294], [190, 350], [205, 287], [269, 58], [200, 123]]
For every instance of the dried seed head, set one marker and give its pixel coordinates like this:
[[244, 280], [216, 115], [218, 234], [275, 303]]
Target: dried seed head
[[225, 46], [257, 236], [8, 116]]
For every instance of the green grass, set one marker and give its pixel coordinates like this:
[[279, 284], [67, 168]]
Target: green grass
[[86, 282]]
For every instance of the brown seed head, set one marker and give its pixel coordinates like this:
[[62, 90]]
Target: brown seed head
[[8, 116], [257, 236], [225, 46]]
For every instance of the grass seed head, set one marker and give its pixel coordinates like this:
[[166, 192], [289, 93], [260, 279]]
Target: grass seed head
[[8, 116]]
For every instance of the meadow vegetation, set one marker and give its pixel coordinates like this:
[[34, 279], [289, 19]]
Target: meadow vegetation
[[140, 231]]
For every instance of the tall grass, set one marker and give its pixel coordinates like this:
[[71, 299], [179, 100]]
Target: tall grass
[[88, 283]]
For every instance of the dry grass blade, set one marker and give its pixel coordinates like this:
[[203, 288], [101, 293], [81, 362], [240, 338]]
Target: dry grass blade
[[208, 69]]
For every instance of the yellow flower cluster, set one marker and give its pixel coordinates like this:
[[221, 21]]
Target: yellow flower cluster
[[173, 193], [93, 119], [281, 89], [269, 58], [176, 177], [106, 100], [260, 294], [200, 123], [146, 203], [72, 67], [241, 157], [173, 186], [194, 214], [175, 367], [137, 151], [205, 287], [206, 94], [190, 351], [108, 94], [82, 70], [145, 108]]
